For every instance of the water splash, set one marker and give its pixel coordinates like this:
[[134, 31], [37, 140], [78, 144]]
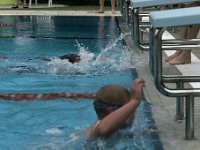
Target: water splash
[[113, 44], [84, 53], [112, 58], [110, 46]]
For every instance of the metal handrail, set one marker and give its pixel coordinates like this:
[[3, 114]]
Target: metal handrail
[[180, 78], [158, 72], [173, 44], [160, 79]]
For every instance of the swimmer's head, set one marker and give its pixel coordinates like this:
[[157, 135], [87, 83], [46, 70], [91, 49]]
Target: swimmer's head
[[73, 58], [110, 98]]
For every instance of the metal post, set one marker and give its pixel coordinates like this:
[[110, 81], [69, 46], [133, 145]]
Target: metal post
[[179, 103], [151, 47], [136, 29], [132, 23], [157, 56], [189, 124], [141, 36], [127, 5], [121, 6]]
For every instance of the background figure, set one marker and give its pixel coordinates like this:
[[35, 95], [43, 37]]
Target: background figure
[[189, 32], [101, 3], [183, 56], [25, 4]]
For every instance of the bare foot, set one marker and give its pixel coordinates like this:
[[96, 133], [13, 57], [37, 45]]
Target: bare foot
[[25, 6], [178, 52], [183, 58], [100, 11], [113, 11], [15, 6]]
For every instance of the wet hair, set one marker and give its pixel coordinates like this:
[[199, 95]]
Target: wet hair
[[110, 97], [71, 58]]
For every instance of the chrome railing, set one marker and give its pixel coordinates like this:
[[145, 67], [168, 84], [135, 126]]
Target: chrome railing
[[157, 46]]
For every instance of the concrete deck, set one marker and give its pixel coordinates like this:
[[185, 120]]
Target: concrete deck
[[170, 131]]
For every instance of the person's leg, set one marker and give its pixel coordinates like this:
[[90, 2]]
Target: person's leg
[[16, 4], [25, 2], [101, 6], [178, 52], [183, 35], [113, 6], [25, 5], [185, 56]]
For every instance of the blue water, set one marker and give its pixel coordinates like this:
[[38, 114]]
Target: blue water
[[25, 44]]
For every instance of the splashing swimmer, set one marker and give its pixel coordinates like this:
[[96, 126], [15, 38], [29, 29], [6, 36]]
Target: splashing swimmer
[[72, 58], [115, 106]]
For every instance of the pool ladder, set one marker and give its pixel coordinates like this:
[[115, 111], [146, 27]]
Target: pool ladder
[[160, 80]]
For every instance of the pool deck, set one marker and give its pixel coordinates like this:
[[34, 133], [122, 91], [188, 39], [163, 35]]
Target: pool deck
[[58, 10], [171, 132]]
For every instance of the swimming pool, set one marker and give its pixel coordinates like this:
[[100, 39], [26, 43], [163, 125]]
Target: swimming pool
[[30, 47]]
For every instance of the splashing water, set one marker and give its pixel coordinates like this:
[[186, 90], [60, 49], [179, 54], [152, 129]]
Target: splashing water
[[110, 46], [111, 58], [113, 44], [114, 57], [84, 53]]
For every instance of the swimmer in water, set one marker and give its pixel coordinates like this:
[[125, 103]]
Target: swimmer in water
[[115, 107], [72, 58]]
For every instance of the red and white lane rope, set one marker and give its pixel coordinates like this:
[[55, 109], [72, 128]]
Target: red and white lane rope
[[45, 96]]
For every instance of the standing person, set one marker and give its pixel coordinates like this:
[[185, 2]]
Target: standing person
[[115, 106], [183, 56], [101, 8], [188, 32], [25, 4]]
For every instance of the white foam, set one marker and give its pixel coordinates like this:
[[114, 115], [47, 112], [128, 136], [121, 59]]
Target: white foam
[[110, 58], [54, 131]]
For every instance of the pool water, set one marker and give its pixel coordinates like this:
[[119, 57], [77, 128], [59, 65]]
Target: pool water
[[29, 63]]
